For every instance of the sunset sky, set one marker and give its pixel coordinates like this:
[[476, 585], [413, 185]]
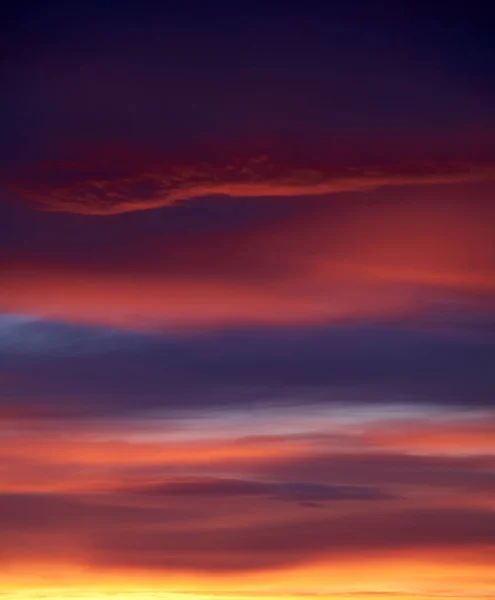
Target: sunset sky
[[247, 301]]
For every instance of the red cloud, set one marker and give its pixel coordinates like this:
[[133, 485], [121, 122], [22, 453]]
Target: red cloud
[[393, 255], [93, 190]]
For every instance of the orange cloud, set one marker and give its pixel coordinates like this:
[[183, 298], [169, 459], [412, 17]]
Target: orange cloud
[[92, 511], [149, 302], [470, 436], [426, 454]]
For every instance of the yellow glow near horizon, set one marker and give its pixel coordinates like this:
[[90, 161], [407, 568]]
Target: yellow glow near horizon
[[422, 576]]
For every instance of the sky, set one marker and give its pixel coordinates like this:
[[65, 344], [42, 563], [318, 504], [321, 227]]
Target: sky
[[247, 301]]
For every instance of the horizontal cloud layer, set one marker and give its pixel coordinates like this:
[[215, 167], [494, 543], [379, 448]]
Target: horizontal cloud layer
[[393, 252], [300, 491], [90, 190], [70, 370], [266, 547], [165, 538]]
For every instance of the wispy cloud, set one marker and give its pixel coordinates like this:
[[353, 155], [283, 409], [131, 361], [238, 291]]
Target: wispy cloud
[[85, 190]]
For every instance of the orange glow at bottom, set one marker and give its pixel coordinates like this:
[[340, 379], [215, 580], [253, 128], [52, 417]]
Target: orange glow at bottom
[[401, 576]]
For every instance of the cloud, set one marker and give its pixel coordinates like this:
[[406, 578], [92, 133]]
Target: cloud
[[268, 546], [311, 453], [287, 490], [461, 473], [454, 436], [394, 251], [70, 370], [51, 513], [79, 188], [192, 537]]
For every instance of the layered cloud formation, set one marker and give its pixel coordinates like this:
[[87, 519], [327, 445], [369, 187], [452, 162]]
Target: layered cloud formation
[[331, 493], [218, 396], [247, 303]]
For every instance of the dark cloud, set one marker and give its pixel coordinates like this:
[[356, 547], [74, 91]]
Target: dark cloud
[[382, 469], [72, 366], [286, 490], [52, 512], [145, 536], [27, 336], [248, 548]]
